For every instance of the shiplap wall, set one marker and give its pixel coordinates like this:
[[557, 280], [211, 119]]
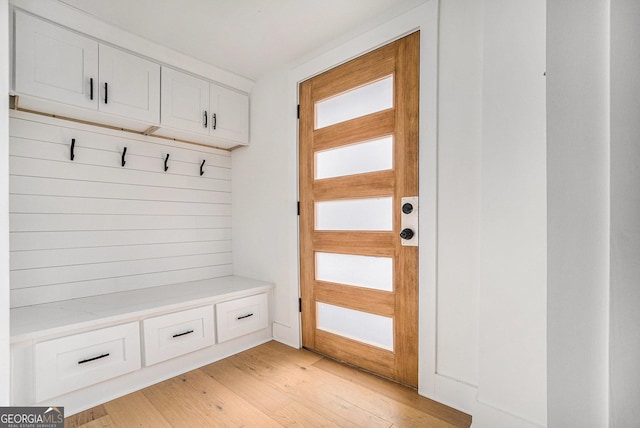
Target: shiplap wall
[[90, 226]]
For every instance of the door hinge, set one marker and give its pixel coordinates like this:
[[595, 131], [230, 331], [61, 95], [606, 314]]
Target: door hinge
[[298, 207], [298, 111], [300, 304]]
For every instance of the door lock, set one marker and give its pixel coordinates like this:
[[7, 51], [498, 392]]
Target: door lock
[[409, 221], [406, 234]]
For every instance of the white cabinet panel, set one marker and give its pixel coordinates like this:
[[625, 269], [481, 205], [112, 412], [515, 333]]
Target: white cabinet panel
[[53, 63], [185, 102], [230, 114], [172, 335], [129, 85], [73, 362], [238, 317], [195, 105]]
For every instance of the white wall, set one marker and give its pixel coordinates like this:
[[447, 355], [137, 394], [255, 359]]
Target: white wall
[[625, 212], [578, 212], [512, 320], [265, 221], [459, 157], [90, 226], [4, 205]]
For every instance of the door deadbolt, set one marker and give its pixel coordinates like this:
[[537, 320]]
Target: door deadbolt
[[407, 208]]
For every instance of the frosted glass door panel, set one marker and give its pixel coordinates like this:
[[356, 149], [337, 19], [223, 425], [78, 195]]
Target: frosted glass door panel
[[355, 214], [376, 155], [364, 327], [361, 271], [367, 99]]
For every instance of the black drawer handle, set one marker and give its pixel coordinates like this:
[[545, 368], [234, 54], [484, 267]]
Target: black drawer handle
[[183, 334], [206, 117], [106, 93], [91, 88], [244, 316], [94, 358]]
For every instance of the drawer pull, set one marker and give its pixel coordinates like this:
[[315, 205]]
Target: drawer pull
[[183, 334], [94, 358], [244, 316]]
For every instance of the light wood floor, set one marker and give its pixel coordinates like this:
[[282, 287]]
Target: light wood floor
[[272, 385]]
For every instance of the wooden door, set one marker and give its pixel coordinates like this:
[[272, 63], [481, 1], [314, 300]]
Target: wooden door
[[133, 85], [54, 63], [358, 159]]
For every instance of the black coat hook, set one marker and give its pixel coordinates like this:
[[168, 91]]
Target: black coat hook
[[124, 152], [201, 167], [166, 167], [73, 146]]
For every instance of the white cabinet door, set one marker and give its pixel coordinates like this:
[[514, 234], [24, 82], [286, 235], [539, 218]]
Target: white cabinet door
[[53, 63], [129, 85], [229, 114], [185, 102]]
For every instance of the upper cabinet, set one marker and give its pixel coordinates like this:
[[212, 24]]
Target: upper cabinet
[[53, 63], [230, 119], [58, 71], [129, 85], [197, 106], [63, 66]]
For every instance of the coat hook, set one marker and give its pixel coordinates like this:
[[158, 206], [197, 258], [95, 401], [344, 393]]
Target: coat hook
[[73, 146], [124, 152], [201, 166], [166, 167]]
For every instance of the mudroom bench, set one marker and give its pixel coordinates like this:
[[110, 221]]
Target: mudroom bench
[[82, 352]]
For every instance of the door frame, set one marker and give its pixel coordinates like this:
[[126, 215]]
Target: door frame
[[425, 19]]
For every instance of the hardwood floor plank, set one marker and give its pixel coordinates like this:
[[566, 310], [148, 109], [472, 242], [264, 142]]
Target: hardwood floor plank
[[135, 410], [196, 397], [278, 404], [282, 359], [102, 422], [282, 384], [83, 418], [273, 385], [396, 392]]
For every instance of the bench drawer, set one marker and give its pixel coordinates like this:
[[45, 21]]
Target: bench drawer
[[73, 362], [241, 316], [168, 336]]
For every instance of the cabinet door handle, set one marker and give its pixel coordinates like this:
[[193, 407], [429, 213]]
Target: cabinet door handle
[[94, 358], [244, 316], [91, 88], [106, 92], [215, 121], [206, 117], [182, 334]]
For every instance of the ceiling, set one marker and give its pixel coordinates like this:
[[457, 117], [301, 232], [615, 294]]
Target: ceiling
[[246, 37]]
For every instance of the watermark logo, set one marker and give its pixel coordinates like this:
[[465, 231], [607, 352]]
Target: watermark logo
[[31, 417]]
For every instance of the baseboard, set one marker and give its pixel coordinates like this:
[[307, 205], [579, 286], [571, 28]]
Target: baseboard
[[486, 416], [285, 334], [459, 395]]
